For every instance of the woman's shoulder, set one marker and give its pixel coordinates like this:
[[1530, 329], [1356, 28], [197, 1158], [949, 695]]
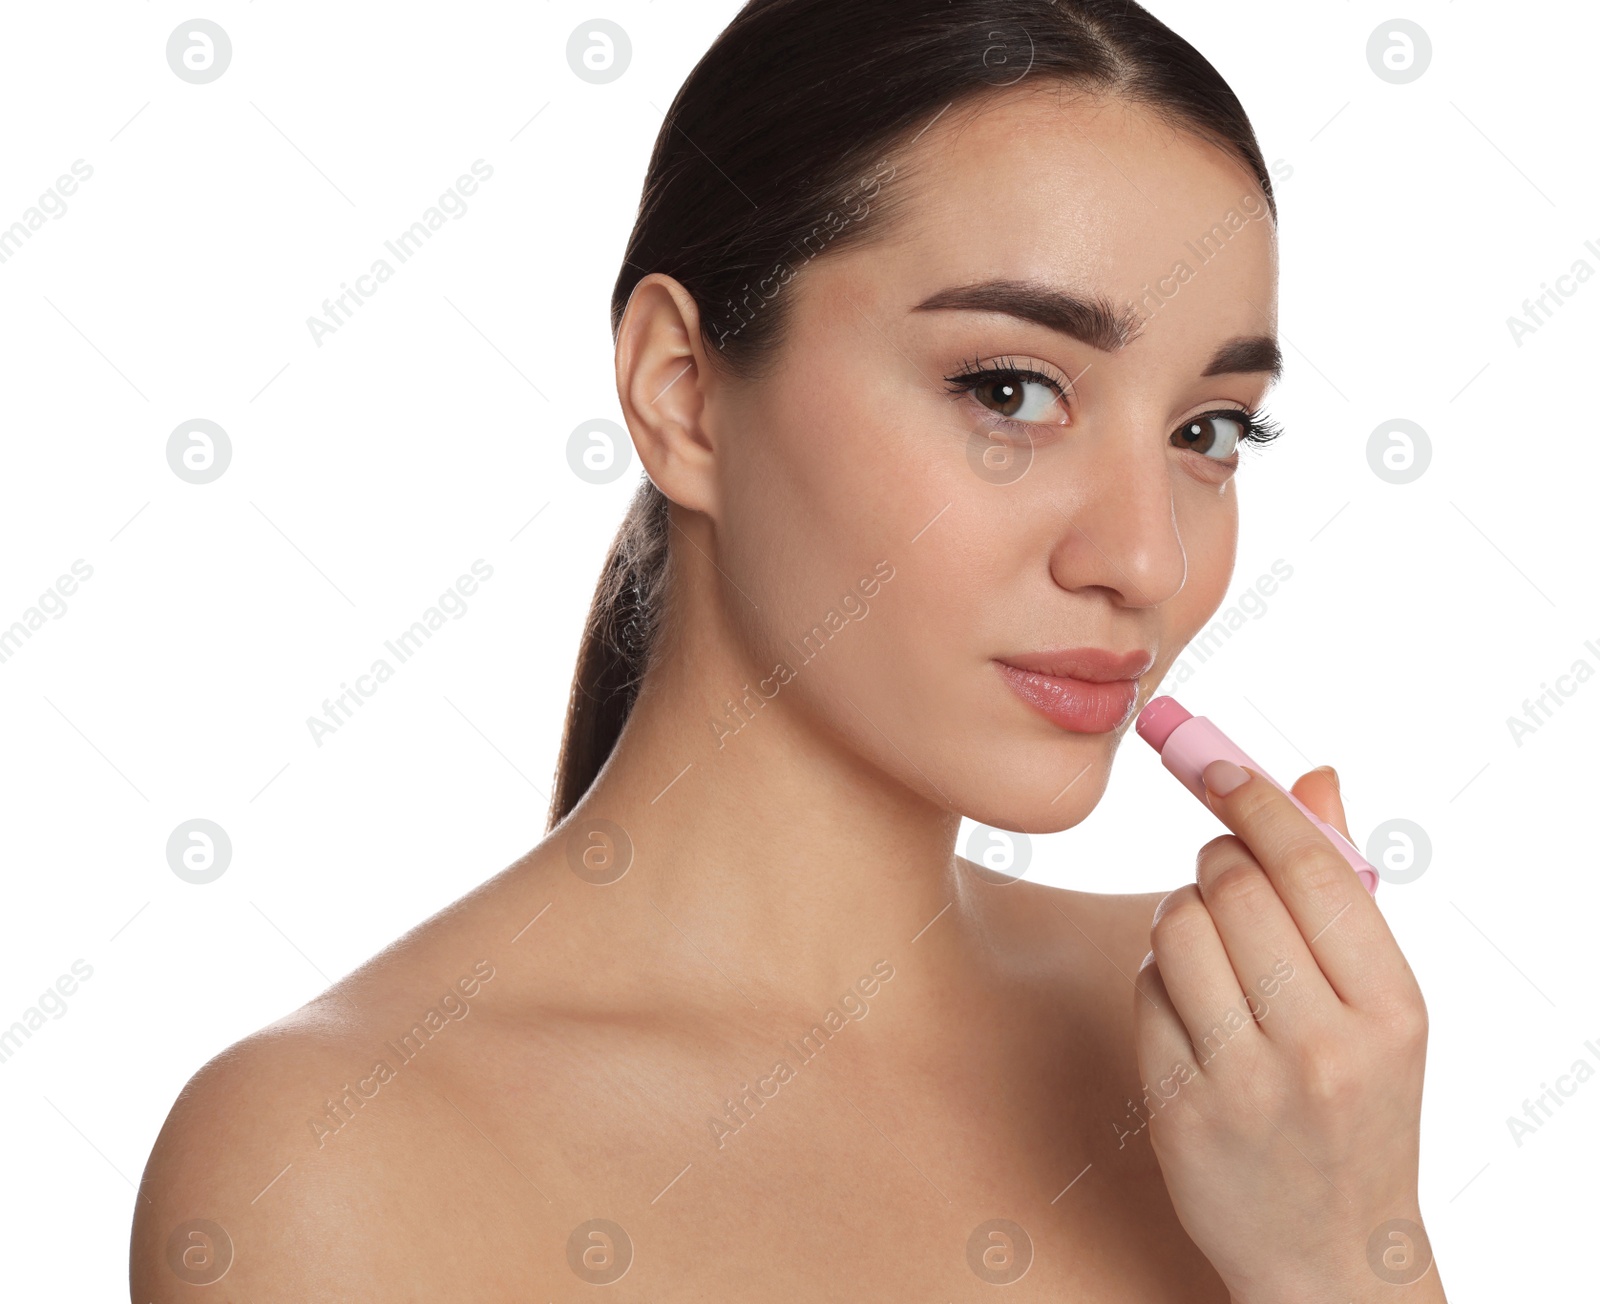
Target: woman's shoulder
[[229, 1149], [1117, 912], [1115, 921], [335, 1107], [1078, 945]]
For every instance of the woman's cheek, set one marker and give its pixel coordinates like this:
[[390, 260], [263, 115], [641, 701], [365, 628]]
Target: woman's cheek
[[1210, 542]]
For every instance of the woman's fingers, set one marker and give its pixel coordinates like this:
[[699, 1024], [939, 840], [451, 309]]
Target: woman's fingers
[[1274, 967], [1340, 922], [1319, 789], [1198, 974], [1161, 1042]]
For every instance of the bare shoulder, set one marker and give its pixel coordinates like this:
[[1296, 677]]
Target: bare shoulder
[[1115, 917], [1081, 951], [1114, 926], [299, 1162], [230, 1186]]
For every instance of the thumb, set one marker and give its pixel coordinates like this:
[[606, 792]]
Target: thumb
[[1319, 789]]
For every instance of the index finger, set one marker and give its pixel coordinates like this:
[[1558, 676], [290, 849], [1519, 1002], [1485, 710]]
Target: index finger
[[1339, 919]]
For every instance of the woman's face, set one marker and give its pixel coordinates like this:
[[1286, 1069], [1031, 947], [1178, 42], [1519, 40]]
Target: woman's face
[[1090, 505]]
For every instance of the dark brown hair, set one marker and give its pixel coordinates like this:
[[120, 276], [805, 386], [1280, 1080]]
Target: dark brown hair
[[767, 151]]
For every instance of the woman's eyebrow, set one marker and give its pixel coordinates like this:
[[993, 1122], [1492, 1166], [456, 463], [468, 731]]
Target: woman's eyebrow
[[1094, 320], [1247, 353]]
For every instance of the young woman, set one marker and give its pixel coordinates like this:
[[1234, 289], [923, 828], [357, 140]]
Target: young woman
[[942, 407]]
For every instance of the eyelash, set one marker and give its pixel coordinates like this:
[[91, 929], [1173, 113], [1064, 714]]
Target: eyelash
[[1259, 428]]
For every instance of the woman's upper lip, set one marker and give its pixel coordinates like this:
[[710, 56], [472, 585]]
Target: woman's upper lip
[[1092, 664]]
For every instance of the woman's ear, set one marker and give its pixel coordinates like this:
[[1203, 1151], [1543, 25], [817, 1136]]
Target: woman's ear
[[663, 376]]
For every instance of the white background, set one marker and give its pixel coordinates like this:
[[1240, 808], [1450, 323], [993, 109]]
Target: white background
[[368, 473]]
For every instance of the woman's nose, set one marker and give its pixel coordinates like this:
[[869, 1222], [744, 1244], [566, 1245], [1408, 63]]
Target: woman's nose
[[1119, 528]]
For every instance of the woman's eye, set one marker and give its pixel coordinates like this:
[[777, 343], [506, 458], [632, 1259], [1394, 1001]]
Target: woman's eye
[[1217, 435], [1022, 398]]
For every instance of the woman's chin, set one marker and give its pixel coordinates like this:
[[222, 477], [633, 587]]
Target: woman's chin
[[1036, 812]]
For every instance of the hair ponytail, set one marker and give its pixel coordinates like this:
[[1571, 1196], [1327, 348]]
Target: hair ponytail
[[618, 636]]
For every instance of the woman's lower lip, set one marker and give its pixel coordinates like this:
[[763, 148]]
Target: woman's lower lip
[[1074, 704]]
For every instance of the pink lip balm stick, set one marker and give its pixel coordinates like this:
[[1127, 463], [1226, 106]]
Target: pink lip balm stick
[[1188, 743]]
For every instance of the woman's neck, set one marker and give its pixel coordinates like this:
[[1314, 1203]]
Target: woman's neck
[[790, 859]]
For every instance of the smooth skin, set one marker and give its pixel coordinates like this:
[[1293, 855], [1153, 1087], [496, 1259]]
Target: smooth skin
[[979, 1046]]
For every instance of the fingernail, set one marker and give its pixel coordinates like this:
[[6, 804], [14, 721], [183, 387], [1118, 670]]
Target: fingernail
[[1222, 777], [1331, 773]]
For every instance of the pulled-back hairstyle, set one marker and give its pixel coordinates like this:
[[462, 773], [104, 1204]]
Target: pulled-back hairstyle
[[792, 120]]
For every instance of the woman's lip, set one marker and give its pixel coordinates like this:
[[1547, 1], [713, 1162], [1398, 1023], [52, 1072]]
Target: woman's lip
[[1074, 704], [1090, 664]]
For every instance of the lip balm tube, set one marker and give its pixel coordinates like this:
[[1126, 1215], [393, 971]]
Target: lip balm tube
[[1188, 743]]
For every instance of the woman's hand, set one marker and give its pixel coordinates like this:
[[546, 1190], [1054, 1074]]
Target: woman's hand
[[1281, 1038]]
